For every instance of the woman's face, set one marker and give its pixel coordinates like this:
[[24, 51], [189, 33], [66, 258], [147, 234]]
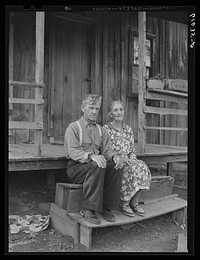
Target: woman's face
[[117, 112]]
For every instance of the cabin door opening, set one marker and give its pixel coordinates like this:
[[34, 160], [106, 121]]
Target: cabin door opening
[[69, 73]]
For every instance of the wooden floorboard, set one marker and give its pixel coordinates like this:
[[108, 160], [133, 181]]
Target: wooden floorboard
[[48, 150], [22, 154]]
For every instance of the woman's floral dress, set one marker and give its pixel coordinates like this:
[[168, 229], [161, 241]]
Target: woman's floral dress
[[136, 174]]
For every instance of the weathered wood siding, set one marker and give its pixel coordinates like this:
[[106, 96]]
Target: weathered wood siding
[[169, 57], [23, 70], [112, 73]]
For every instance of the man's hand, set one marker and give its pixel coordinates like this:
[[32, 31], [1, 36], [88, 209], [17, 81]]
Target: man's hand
[[119, 162], [99, 159]]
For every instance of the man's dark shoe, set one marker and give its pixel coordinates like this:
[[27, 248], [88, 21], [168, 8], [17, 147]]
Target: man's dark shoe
[[90, 216], [108, 215]]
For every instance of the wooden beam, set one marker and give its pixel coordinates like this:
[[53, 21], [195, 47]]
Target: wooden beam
[[25, 101], [25, 125], [164, 111], [142, 81], [166, 128], [11, 48], [169, 92], [164, 97], [169, 169], [25, 84], [77, 18], [105, 74], [39, 78], [135, 31]]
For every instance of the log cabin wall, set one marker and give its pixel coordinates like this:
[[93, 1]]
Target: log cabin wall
[[115, 75]]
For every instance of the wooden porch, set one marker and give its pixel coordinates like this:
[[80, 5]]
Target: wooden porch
[[21, 156]]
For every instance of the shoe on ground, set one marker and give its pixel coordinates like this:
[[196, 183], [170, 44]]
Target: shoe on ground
[[108, 215], [127, 211], [137, 209], [90, 216]]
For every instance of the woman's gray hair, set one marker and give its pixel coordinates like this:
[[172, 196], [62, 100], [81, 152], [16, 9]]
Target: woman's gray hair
[[91, 99], [113, 103]]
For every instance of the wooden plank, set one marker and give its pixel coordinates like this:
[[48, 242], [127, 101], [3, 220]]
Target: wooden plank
[[77, 232], [142, 81], [69, 196], [52, 70], [39, 78], [61, 221], [165, 97], [29, 165], [169, 169], [157, 208], [57, 150], [26, 84], [164, 111], [90, 57], [182, 243], [112, 95], [182, 121], [98, 60], [21, 156], [105, 74], [11, 48], [178, 85], [171, 196], [60, 78], [117, 54], [86, 236], [124, 57], [148, 34], [162, 70], [77, 18], [25, 101], [155, 84], [166, 128], [169, 92], [25, 125]]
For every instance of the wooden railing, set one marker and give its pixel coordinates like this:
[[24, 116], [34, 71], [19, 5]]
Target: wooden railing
[[165, 95], [38, 101], [168, 96]]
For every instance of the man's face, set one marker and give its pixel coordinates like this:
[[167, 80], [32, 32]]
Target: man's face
[[91, 111]]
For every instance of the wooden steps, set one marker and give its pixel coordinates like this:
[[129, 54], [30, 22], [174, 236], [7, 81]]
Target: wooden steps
[[182, 243], [75, 225]]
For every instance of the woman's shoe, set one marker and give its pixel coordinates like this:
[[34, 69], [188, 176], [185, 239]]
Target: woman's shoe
[[137, 209], [127, 211]]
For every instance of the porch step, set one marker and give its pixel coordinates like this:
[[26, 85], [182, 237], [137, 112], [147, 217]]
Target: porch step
[[75, 225]]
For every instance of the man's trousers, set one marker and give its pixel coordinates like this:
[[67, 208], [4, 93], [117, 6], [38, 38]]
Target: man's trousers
[[101, 186]]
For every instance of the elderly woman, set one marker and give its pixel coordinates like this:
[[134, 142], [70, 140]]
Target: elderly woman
[[136, 174]]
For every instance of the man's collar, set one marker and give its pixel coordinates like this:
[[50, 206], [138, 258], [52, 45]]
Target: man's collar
[[85, 122]]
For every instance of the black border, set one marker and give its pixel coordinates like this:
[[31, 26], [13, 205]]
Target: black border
[[192, 94]]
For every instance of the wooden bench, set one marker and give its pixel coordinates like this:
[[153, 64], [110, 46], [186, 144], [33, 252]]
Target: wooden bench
[[66, 218]]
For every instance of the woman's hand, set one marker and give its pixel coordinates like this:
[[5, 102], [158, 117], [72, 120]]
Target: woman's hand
[[119, 162], [100, 160]]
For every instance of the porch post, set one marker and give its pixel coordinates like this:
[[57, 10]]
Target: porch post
[[11, 49], [142, 81], [39, 78]]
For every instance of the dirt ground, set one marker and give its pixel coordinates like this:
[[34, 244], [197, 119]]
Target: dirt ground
[[25, 196]]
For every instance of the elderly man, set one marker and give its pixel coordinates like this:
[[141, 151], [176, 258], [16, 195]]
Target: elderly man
[[92, 162]]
